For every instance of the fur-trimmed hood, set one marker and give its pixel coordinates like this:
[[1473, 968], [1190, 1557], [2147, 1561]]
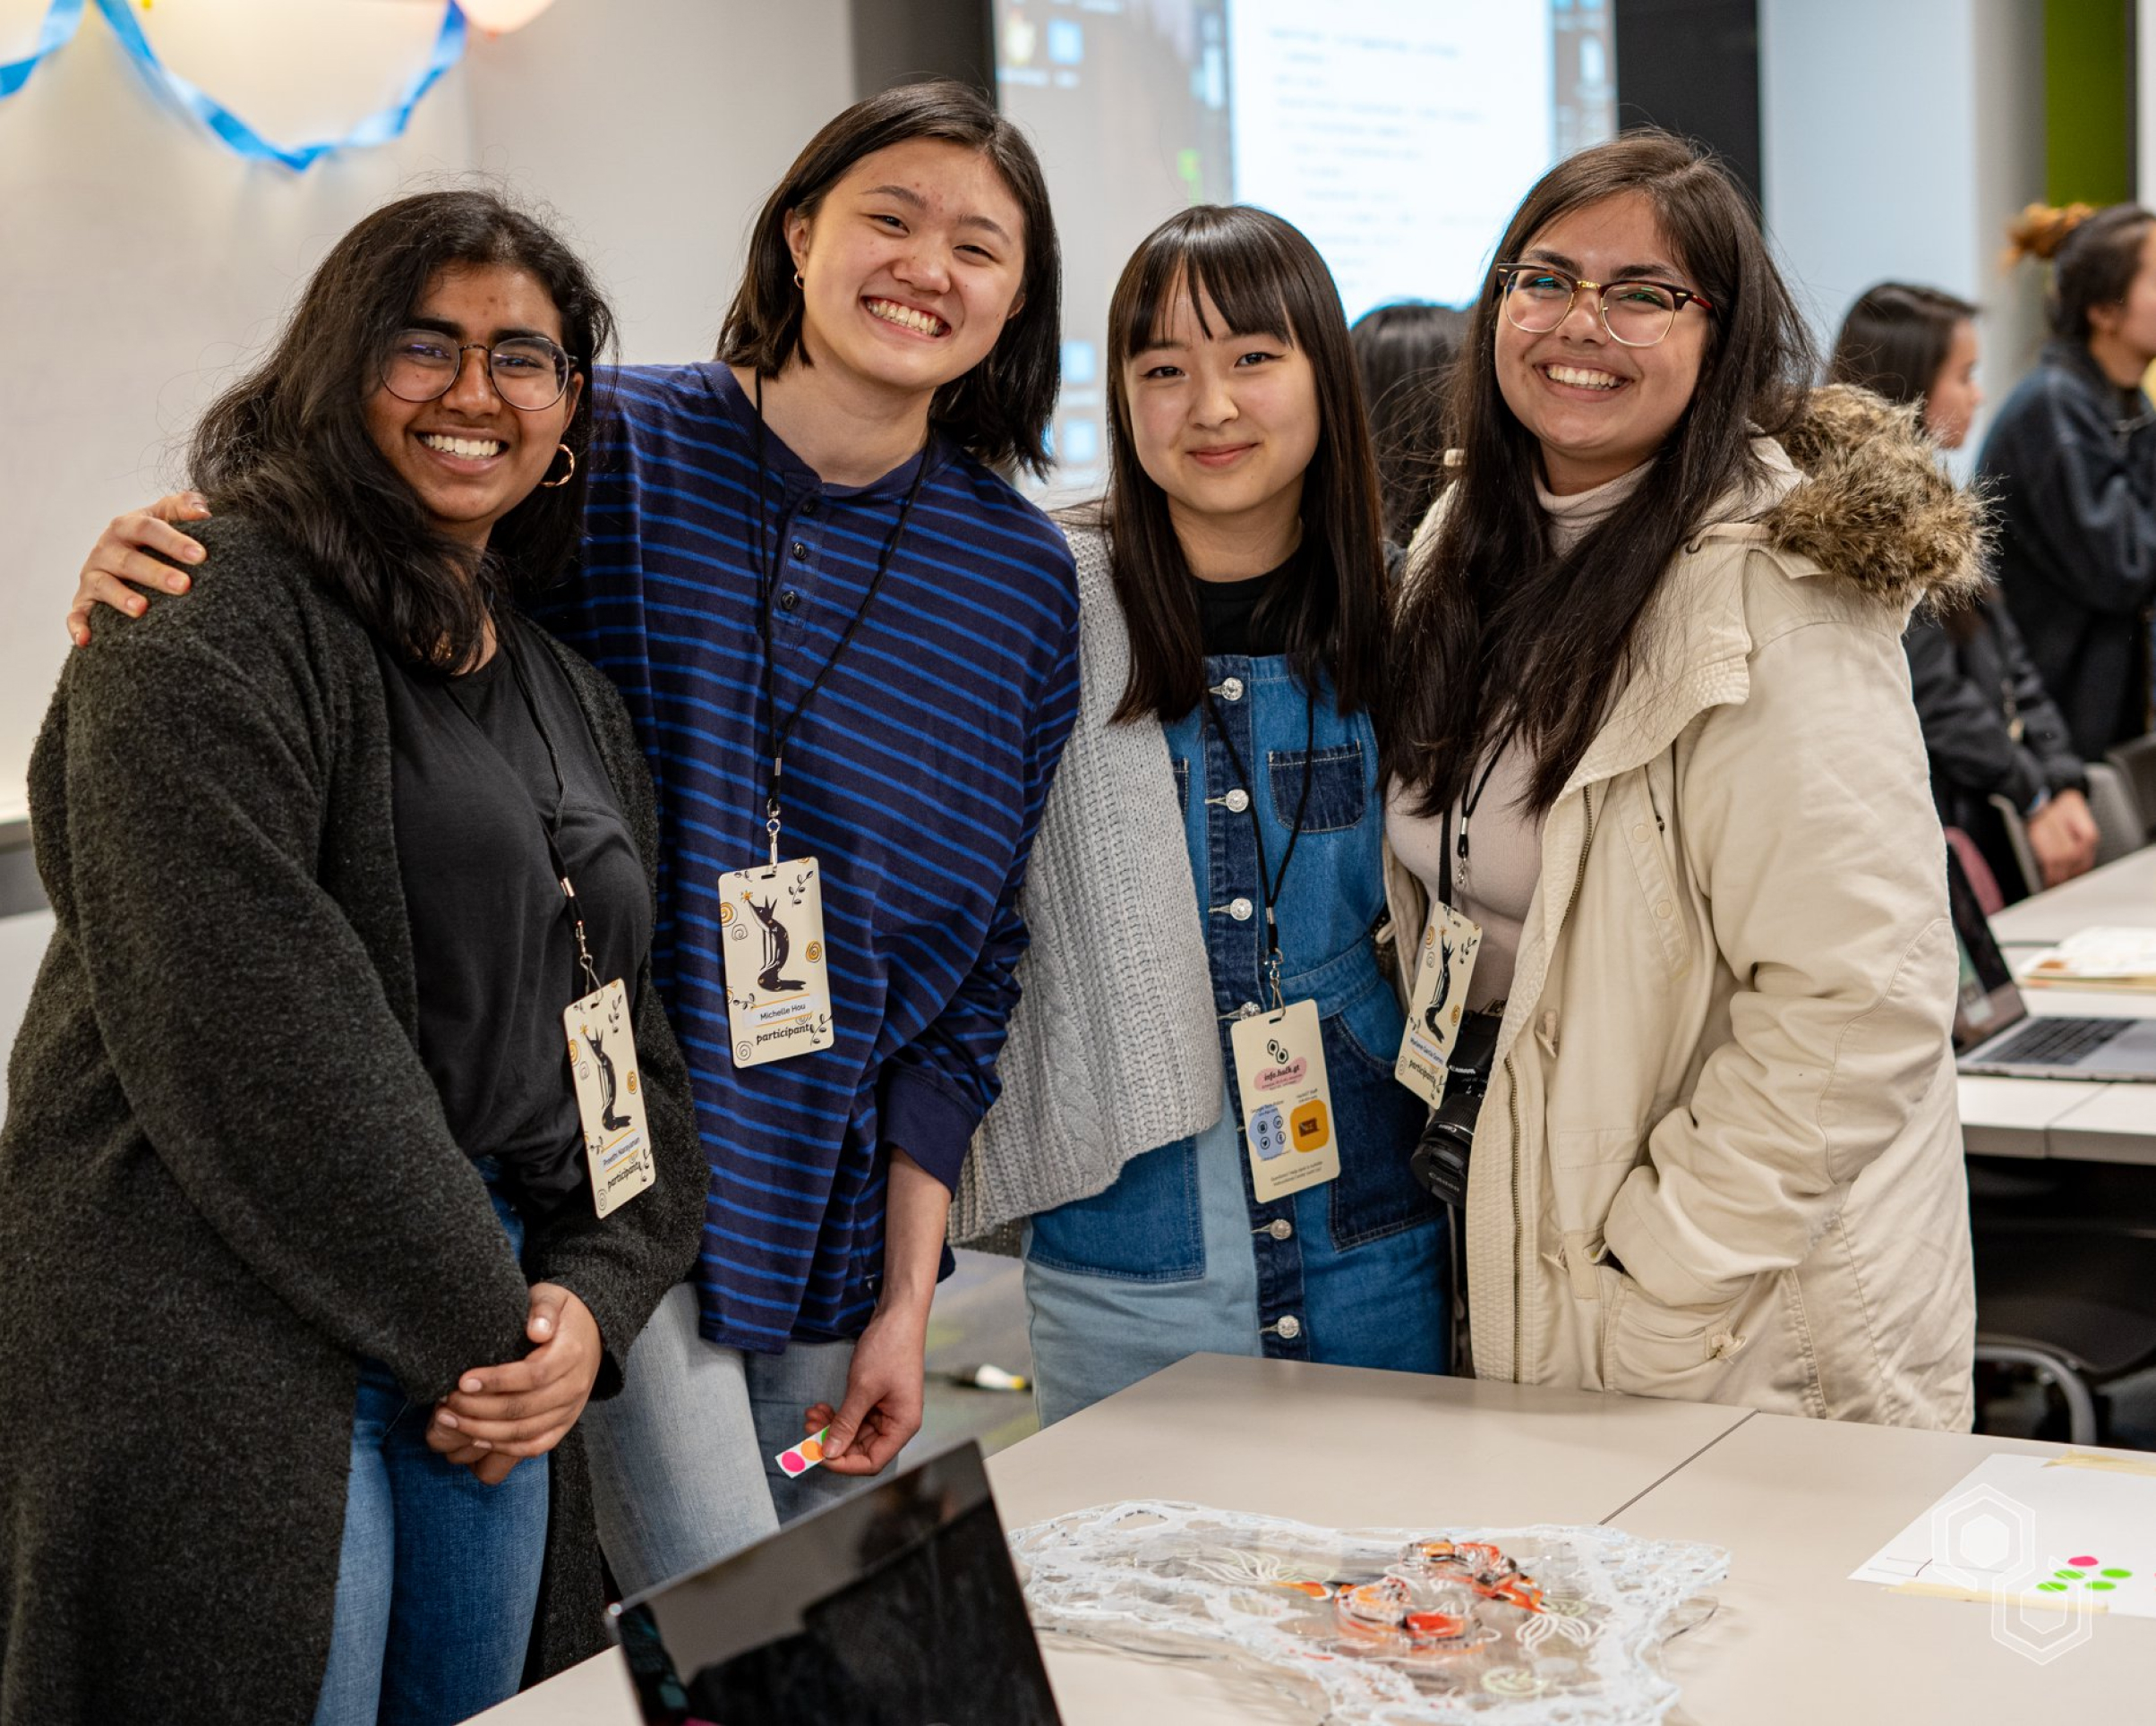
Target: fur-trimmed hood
[[1860, 493]]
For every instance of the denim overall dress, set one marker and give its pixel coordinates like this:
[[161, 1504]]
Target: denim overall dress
[[1178, 1257]]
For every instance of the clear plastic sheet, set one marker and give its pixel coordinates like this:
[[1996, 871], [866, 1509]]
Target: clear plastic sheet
[[1379, 1626]]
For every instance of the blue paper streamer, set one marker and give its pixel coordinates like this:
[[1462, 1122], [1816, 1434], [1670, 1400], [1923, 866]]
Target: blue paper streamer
[[61, 22], [376, 129]]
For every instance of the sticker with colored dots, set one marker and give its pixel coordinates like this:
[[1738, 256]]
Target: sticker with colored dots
[[804, 1456], [2085, 1572]]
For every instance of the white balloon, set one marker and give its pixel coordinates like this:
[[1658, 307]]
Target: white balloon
[[497, 16]]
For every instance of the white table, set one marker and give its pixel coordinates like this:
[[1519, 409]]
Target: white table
[[2121, 896], [1799, 1504]]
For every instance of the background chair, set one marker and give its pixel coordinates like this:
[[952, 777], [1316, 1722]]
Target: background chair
[[2136, 763]]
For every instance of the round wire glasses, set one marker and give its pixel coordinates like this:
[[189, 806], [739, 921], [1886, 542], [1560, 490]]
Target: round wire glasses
[[1637, 312], [529, 372]]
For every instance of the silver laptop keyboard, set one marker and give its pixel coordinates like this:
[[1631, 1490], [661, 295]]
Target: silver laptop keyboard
[[2055, 1042]]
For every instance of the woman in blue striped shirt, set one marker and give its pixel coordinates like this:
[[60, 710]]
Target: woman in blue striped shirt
[[799, 552]]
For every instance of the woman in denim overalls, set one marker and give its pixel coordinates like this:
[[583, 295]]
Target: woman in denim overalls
[[1242, 529]]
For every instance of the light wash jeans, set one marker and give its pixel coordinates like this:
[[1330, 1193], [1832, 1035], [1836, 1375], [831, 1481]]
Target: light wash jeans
[[681, 1460], [438, 1577]]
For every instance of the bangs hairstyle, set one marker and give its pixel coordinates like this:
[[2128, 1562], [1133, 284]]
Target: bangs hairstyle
[[1499, 639], [1896, 338], [1264, 278], [289, 446], [999, 411], [2094, 254]]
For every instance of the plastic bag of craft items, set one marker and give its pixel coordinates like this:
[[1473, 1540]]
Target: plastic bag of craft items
[[1552, 1626]]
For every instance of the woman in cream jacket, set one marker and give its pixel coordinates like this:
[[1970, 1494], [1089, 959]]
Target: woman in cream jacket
[[1719, 1157]]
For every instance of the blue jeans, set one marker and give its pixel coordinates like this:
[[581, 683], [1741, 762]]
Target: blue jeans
[[681, 1464], [438, 1579]]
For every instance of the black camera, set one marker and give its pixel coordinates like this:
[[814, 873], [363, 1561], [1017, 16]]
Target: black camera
[[1441, 1158]]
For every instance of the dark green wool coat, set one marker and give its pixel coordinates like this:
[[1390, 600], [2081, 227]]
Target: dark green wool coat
[[224, 1175]]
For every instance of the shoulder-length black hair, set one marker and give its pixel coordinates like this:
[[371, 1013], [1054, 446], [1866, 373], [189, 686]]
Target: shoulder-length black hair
[[1895, 340], [289, 445], [999, 411], [1264, 278], [1500, 640], [1405, 352], [2094, 256]]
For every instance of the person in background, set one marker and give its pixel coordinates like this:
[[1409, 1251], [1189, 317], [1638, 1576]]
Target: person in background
[[1648, 653], [1210, 849], [801, 556], [1403, 351], [1990, 729], [293, 1152], [2070, 464]]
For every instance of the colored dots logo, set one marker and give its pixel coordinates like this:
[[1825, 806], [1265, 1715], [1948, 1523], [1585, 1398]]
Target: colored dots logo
[[2090, 1573]]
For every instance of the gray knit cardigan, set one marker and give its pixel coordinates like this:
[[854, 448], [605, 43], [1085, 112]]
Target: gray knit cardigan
[[1115, 1045], [224, 1175]]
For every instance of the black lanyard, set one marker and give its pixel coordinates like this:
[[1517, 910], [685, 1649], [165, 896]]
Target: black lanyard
[[1468, 803], [550, 822], [767, 585], [1269, 892]]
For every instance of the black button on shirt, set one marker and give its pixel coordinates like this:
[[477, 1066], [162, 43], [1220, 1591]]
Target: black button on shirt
[[491, 944]]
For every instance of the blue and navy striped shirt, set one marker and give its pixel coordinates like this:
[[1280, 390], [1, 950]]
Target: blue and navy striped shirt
[[916, 776]]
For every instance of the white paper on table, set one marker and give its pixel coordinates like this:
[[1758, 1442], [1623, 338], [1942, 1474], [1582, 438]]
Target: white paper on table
[[2044, 1529], [2096, 955]]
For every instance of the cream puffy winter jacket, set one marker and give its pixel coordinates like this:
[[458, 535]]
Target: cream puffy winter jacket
[[1720, 1158]]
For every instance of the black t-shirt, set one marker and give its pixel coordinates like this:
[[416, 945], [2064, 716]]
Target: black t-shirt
[[1227, 612], [491, 942]]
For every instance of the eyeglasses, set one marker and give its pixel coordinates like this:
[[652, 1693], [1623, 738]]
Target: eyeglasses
[[1638, 314], [529, 372]]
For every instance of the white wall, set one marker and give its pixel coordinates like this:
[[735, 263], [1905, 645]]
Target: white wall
[[139, 258], [1898, 140]]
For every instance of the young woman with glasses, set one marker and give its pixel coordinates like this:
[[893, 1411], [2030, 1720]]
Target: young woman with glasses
[[293, 1152], [1209, 867], [1650, 731], [848, 644]]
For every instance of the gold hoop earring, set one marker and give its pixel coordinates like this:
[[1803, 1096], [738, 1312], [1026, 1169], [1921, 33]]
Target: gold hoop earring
[[548, 485], [798, 282]]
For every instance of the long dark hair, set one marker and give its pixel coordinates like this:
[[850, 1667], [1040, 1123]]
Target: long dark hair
[[288, 444], [1895, 340], [1264, 279], [1405, 352], [999, 411], [1501, 640], [2094, 253]]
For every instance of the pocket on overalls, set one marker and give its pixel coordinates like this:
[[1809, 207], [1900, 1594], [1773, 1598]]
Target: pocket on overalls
[[1378, 1120], [1337, 787], [1146, 1228]]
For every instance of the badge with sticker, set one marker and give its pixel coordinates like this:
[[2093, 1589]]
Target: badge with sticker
[[1287, 1100], [771, 933], [609, 1097], [1444, 969]]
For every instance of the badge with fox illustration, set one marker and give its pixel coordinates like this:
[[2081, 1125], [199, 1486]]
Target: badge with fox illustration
[[1444, 965], [771, 935], [610, 1096]]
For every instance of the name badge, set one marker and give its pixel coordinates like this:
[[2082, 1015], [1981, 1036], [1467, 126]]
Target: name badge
[[1287, 1125], [1444, 965], [771, 934], [609, 1097]]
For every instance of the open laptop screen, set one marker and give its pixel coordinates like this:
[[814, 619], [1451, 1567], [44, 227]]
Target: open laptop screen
[[1986, 1001], [896, 1607]]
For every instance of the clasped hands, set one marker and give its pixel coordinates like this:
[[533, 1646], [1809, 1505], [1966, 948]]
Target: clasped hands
[[499, 1415]]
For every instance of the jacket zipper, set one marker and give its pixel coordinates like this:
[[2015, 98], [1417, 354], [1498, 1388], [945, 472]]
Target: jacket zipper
[[1579, 877]]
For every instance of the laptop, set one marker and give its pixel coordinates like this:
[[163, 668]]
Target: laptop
[[1995, 1033], [896, 1607]]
